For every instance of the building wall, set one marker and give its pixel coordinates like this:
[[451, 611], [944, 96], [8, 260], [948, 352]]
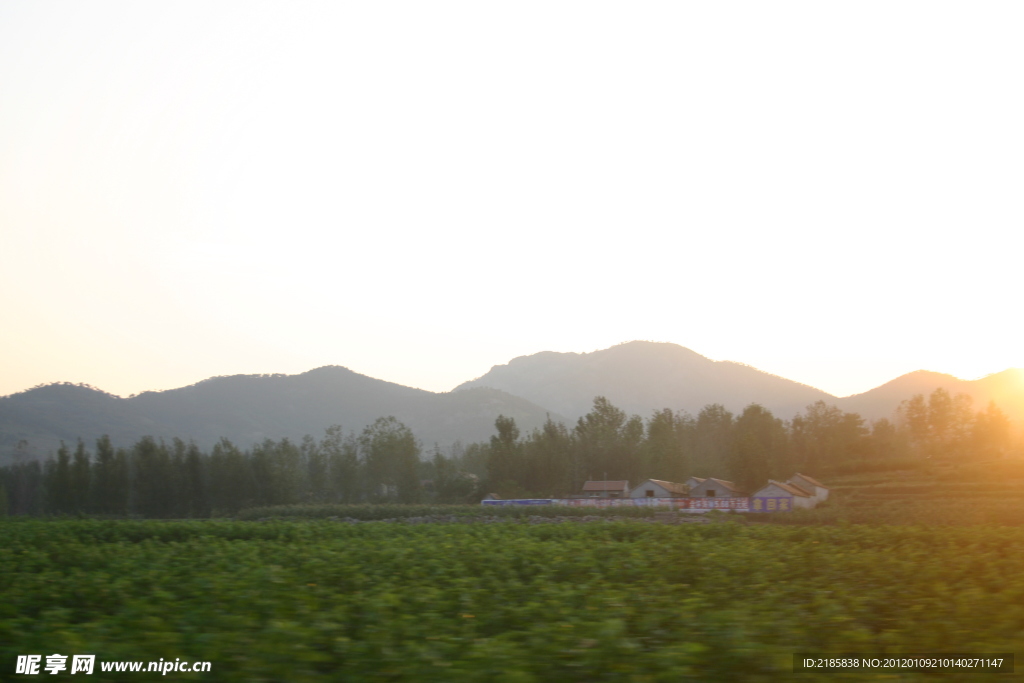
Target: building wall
[[659, 491], [773, 498], [701, 491], [819, 493]]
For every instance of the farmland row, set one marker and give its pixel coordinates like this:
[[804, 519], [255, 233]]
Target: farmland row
[[313, 601]]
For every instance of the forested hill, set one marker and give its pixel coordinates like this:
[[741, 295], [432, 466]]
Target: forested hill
[[637, 377], [1005, 388], [641, 377], [250, 408]]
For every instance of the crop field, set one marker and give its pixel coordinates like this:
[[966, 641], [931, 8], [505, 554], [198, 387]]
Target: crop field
[[628, 600]]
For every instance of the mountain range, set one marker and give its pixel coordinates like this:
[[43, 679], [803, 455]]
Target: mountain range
[[638, 377]]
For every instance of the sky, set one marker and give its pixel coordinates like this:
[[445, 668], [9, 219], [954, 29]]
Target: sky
[[830, 192]]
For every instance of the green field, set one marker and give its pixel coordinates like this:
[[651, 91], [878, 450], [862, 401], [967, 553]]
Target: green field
[[630, 600]]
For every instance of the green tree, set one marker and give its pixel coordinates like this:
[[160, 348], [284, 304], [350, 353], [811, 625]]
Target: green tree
[[391, 457], [759, 449], [608, 444], [104, 493], [342, 455], [196, 502], [547, 454], [886, 441], [668, 446], [825, 436], [152, 478], [58, 482], [81, 480], [232, 486], [505, 467], [316, 481], [713, 440], [912, 416], [991, 434]]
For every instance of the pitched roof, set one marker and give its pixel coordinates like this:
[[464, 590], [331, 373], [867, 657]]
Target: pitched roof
[[792, 489], [618, 485], [671, 486], [727, 484], [813, 482], [699, 480]]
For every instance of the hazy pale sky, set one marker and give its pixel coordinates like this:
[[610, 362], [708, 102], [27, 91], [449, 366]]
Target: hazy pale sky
[[831, 192]]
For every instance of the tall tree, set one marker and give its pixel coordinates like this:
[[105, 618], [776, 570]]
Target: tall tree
[[668, 446], [608, 443], [912, 416], [547, 457], [195, 489], [505, 468], [991, 434], [713, 440], [232, 485], [81, 480], [391, 458], [104, 493], [824, 436], [152, 479], [342, 455], [58, 482], [759, 449], [315, 477]]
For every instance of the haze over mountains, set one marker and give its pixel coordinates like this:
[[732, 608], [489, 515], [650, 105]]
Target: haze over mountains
[[641, 377], [250, 408], [638, 377]]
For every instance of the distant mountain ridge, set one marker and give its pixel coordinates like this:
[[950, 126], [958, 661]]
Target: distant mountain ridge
[[641, 377], [1005, 388], [638, 377], [250, 408]]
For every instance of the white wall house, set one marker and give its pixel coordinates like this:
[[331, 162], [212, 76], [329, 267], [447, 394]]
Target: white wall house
[[780, 497], [656, 488], [812, 486], [693, 481], [716, 488]]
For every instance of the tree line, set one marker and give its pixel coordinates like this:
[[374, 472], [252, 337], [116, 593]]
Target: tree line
[[154, 479], [385, 462], [747, 449]]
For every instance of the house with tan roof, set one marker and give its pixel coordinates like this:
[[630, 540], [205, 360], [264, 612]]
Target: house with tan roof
[[606, 489], [693, 481], [716, 488], [780, 496], [657, 488], [818, 490]]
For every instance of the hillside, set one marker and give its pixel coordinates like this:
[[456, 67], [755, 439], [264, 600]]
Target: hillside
[[249, 408], [638, 377], [1005, 388], [641, 377]]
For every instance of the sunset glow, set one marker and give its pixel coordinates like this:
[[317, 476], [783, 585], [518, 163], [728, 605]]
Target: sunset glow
[[419, 191]]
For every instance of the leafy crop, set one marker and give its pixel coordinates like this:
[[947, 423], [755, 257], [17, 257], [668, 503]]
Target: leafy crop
[[369, 512], [618, 601]]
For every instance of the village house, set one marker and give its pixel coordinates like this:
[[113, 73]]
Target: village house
[[780, 497], [656, 488], [818, 490], [716, 488], [691, 482], [606, 489]]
